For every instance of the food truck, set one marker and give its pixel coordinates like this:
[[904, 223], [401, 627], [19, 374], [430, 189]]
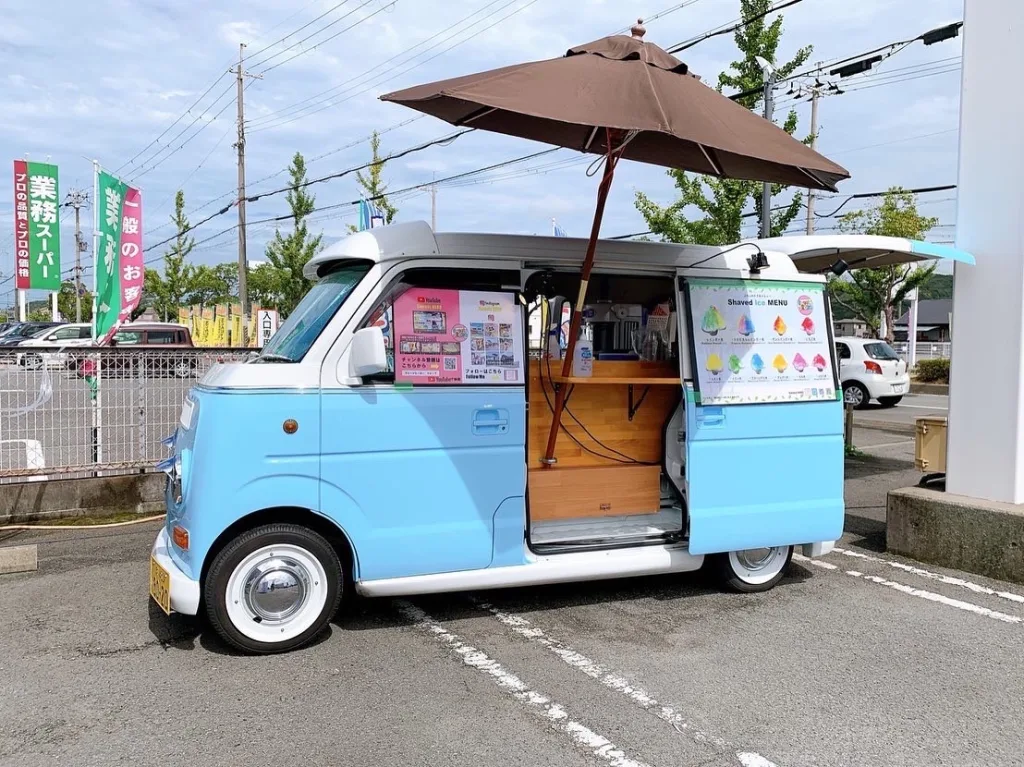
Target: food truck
[[391, 439]]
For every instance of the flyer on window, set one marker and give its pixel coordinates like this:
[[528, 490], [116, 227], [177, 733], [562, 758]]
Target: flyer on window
[[458, 337], [760, 341]]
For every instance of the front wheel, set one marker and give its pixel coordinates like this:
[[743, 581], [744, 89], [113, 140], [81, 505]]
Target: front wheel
[[752, 570], [273, 589], [889, 401]]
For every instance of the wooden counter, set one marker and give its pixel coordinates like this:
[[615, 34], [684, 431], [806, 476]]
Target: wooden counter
[[624, 406]]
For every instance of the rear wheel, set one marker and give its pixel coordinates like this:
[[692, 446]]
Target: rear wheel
[[273, 589], [889, 401], [183, 369], [752, 570], [32, 361], [855, 394]]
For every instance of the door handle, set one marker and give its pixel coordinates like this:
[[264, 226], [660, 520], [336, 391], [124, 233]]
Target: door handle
[[490, 421]]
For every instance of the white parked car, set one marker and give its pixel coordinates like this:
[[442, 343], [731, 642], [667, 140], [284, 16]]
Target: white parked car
[[59, 337], [870, 370]]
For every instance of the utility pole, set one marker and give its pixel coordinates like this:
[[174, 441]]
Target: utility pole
[[815, 95], [769, 114], [243, 288], [433, 206], [78, 199]]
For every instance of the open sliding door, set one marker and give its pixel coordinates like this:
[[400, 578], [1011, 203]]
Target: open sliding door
[[764, 417]]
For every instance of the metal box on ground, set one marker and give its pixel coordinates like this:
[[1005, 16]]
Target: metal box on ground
[[930, 444]]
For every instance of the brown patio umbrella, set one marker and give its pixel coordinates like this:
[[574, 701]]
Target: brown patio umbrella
[[623, 98]]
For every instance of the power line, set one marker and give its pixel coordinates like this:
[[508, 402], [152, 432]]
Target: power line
[[406, 190], [293, 32], [332, 37], [341, 86], [143, 170], [307, 108], [168, 128], [659, 15], [443, 140], [730, 27]]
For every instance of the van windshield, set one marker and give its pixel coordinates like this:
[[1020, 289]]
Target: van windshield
[[311, 316]]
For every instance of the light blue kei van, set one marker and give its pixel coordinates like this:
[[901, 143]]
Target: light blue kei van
[[380, 441]]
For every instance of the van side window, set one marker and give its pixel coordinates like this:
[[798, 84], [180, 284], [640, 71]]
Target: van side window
[[382, 315]]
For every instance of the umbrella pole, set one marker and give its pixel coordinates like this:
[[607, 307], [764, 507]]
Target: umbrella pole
[[577, 315]]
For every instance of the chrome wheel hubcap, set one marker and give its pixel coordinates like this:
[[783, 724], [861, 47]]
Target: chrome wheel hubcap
[[276, 589], [755, 559]]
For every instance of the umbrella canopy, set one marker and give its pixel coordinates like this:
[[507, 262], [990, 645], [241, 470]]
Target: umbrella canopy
[[595, 93]]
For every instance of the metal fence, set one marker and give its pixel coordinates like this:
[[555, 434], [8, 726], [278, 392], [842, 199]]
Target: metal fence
[[82, 412], [925, 351]]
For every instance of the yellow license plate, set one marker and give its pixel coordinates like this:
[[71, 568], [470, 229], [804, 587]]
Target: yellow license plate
[[160, 585]]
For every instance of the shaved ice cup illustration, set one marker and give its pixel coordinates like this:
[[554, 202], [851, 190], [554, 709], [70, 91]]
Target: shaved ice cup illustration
[[779, 326], [713, 321], [745, 326], [735, 365], [818, 362], [799, 363], [757, 364], [779, 363], [808, 326], [714, 364]]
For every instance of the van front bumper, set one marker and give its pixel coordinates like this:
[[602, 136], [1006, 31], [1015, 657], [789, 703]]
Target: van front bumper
[[184, 590]]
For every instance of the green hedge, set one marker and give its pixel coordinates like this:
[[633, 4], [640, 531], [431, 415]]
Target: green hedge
[[932, 371]]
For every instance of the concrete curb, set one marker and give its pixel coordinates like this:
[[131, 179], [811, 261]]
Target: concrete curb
[[18, 559], [976, 536], [97, 497], [929, 388]]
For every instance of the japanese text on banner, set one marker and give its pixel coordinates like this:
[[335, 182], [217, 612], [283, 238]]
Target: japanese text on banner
[[36, 226]]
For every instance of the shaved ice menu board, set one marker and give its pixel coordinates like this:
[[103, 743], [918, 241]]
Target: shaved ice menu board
[[458, 337], [760, 341]]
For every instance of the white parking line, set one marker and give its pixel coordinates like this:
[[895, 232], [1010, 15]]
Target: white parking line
[[975, 587], [619, 684], [920, 593], [580, 735]]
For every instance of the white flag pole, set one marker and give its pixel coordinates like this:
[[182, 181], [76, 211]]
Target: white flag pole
[[97, 413]]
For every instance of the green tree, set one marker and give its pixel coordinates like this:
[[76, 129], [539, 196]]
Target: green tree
[[39, 314], [373, 185], [721, 202], [288, 254], [66, 302], [264, 286], [871, 293], [212, 285], [166, 292]]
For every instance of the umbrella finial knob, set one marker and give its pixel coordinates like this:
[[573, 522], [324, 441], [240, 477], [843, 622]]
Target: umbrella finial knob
[[638, 30]]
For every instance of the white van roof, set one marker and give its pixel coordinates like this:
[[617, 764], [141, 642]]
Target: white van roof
[[786, 255]]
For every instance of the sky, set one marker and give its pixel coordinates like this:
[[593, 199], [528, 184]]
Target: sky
[[142, 87]]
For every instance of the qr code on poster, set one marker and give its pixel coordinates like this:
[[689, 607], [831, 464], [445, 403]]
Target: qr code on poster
[[451, 364]]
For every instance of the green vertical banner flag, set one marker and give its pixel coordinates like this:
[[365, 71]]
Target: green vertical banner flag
[[37, 225], [118, 265]]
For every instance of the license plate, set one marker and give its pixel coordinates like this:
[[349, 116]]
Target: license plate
[[898, 388], [160, 585]]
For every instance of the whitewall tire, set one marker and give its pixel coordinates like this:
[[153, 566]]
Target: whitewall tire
[[753, 570], [273, 589]]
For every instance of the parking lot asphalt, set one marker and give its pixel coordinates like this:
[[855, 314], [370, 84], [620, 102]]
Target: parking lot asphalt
[[857, 659], [903, 416]]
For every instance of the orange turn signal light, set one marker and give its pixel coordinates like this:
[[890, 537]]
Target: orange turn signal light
[[180, 537], [290, 426]]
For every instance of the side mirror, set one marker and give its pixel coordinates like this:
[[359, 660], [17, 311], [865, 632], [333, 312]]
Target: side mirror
[[367, 354]]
